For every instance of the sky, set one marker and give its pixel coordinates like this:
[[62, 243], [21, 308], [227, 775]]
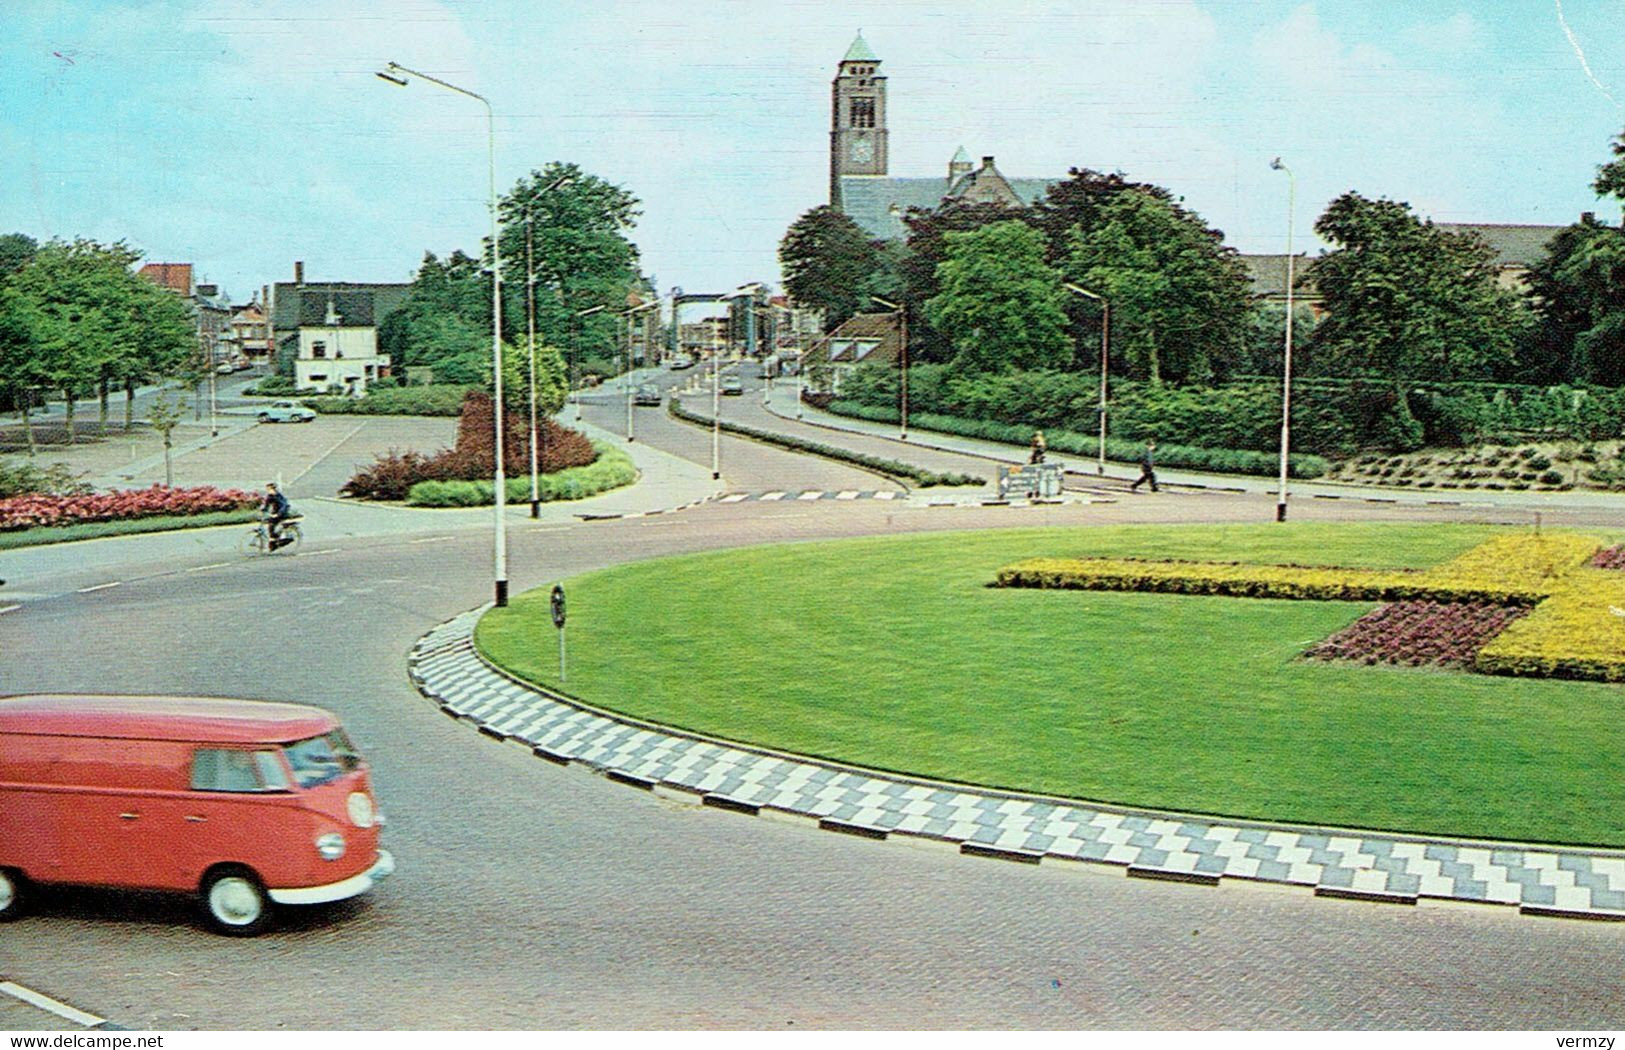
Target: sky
[[242, 135]]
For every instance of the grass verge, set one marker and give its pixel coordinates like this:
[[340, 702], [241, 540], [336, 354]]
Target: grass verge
[[611, 470], [894, 653], [97, 529]]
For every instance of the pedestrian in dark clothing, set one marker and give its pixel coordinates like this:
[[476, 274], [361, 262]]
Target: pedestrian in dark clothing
[[1039, 448], [1147, 467]]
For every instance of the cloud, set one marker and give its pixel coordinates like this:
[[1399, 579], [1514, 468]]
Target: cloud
[[1459, 32]]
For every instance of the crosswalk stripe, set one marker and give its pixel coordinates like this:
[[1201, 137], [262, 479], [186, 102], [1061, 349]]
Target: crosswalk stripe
[[770, 496], [848, 494], [885, 495], [811, 495], [735, 497]]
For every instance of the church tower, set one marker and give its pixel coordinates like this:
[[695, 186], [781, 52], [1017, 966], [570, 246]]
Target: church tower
[[857, 136]]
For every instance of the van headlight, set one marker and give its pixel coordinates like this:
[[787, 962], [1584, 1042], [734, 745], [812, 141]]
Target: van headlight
[[360, 809], [330, 845]]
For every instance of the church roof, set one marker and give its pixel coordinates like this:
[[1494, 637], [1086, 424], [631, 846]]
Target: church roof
[[869, 200], [860, 51], [1513, 244]]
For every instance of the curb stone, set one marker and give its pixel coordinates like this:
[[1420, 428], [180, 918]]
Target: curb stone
[[1344, 863]]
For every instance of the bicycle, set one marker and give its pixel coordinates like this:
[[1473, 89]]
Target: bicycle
[[258, 540]]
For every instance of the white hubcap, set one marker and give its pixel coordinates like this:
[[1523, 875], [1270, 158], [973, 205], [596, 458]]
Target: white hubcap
[[234, 901]]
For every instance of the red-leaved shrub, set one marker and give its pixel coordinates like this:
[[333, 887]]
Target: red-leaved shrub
[[1418, 633], [30, 511], [1608, 558], [472, 457]]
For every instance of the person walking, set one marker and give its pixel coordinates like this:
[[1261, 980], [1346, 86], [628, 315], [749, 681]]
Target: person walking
[[1040, 447], [1147, 467]]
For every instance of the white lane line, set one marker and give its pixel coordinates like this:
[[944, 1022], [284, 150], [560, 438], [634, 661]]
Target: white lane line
[[545, 528], [216, 565], [100, 587], [312, 554], [768, 497], [433, 539], [810, 495], [885, 495], [336, 445], [45, 1002], [9, 608], [734, 497], [847, 494]]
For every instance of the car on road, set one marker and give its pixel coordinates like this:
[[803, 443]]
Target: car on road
[[732, 385], [248, 805], [681, 361], [286, 412], [647, 394]]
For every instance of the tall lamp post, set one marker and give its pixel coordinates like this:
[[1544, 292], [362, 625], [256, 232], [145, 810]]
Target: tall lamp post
[[1286, 351], [902, 390], [628, 377], [530, 332], [575, 355], [393, 74], [1105, 346], [716, 385]]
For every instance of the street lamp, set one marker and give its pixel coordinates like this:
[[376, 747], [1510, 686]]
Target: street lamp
[[393, 74], [530, 329], [716, 384], [902, 391], [575, 355], [627, 379], [1105, 345], [1286, 352]]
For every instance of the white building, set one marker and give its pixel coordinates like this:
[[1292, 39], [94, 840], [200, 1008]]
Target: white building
[[338, 351]]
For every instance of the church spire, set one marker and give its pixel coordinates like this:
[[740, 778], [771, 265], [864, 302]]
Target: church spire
[[860, 51]]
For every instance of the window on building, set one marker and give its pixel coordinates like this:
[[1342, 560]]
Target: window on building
[[318, 349], [863, 113]]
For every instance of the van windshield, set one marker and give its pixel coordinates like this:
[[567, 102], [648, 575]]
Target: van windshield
[[321, 758]]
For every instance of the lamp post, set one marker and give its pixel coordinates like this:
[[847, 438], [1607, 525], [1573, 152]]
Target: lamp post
[[575, 355], [530, 332], [1105, 345], [500, 539], [628, 377], [1286, 351], [902, 390], [716, 385]]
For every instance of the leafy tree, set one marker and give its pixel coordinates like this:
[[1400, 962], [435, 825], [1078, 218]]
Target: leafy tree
[[828, 263], [1610, 181], [16, 250], [926, 249], [1000, 301], [1179, 297], [1407, 301], [1578, 290]]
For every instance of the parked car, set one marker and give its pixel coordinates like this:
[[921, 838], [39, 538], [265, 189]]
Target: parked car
[[647, 394], [249, 805], [732, 385], [286, 412], [681, 361]]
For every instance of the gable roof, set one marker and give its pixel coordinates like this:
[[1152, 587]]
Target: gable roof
[[358, 305], [861, 337], [1514, 244], [869, 199]]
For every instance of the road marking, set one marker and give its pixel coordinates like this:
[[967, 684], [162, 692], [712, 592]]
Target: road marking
[[768, 497], [312, 554], [215, 565], [848, 494], [100, 587], [885, 495], [336, 445], [45, 1002], [438, 539], [9, 608], [811, 495], [545, 528], [734, 497]]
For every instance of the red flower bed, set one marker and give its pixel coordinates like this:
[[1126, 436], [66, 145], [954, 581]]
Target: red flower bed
[[27, 512], [1418, 633], [1608, 558], [473, 457]]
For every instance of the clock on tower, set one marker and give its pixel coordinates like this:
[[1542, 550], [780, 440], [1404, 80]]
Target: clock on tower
[[862, 151]]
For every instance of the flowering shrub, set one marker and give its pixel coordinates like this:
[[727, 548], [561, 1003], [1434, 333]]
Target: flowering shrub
[[33, 511], [1418, 633], [1575, 630], [1608, 558]]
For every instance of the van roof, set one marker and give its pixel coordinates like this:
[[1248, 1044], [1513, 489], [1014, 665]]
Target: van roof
[[203, 719]]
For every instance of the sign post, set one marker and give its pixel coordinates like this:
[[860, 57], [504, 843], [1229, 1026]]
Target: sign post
[[558, 621]]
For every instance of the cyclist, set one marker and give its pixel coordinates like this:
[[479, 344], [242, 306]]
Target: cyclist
[[277, 510]]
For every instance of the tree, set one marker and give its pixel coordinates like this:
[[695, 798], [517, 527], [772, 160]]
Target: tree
[[827, 262], [1406, 301], [1578, 290], [16, 251], [927, 248], [1180, 304], [1000, 301], [1610, 181]]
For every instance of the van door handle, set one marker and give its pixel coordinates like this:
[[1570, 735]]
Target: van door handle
[[197, 820], [128, 816]]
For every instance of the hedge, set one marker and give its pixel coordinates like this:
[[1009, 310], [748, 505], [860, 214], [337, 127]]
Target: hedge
[[440, 399], [1219, 460], [889, 467], [611, 470]]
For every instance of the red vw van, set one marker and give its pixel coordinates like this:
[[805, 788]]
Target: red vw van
[[247, 804]]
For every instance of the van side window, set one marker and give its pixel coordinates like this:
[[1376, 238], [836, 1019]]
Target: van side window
[[225, 770], [273, 774]]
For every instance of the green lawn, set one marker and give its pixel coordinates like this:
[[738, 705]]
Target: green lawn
[[893, 653]]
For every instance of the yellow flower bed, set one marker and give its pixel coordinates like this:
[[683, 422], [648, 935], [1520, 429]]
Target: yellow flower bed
[[1577, 629]]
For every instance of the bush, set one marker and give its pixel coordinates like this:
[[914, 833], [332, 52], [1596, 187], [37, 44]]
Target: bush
[[21, 478], [272, 386], [1551, 477], [394, 474], [32, 511], [441, 399], [612, 469]]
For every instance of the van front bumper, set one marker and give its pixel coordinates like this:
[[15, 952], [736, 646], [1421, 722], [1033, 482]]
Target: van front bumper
[[353, 886]]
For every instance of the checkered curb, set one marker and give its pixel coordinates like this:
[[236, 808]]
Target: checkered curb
[[1024, 828], [646, 513]]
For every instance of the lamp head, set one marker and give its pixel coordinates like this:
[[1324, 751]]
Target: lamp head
[[391, 77], [1276, 165]]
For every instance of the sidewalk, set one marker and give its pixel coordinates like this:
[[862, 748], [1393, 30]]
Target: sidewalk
[[1082, 469], [1332, 862]]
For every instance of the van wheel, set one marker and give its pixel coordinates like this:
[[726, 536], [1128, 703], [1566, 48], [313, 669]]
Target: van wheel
[[11, 895], [235, 903]]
